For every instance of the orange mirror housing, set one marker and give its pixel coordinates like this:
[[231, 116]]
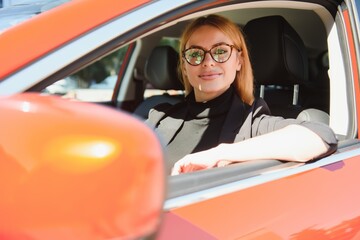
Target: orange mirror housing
[[73, 170]]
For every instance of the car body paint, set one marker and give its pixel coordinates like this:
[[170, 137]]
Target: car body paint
[[309, 204]]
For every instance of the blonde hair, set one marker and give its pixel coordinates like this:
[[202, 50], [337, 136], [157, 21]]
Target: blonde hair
[[244, 80]]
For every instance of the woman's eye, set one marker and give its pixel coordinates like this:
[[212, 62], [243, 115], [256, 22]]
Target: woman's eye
[[195, 54], [219, 51]]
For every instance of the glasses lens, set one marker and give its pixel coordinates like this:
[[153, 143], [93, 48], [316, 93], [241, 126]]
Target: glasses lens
[[221, 53], [194, 56]]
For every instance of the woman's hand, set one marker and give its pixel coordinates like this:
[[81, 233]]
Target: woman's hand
[[198, 161]]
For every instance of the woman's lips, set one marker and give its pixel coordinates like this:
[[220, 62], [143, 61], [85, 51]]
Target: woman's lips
[[209, 76]]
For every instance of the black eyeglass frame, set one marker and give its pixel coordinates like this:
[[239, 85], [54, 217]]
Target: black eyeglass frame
[[209, 51]]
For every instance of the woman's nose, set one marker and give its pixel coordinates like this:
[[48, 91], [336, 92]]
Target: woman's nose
[[208, 60]]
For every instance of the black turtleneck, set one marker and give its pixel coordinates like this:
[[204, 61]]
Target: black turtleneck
[[202, 126]]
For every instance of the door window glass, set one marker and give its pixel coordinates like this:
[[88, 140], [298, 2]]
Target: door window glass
[[94, 83]]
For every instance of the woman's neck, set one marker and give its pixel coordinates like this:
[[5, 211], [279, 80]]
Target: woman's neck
[[201, 96]]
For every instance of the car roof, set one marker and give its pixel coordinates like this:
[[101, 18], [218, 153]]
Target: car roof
[[78, 18], [15, 12]]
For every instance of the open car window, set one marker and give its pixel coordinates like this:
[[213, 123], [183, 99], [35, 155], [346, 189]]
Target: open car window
[[329, 91]]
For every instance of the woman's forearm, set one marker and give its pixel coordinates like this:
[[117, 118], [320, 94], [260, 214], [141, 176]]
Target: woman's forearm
[[292, 143]]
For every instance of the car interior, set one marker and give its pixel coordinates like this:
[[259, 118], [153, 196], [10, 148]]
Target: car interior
[[290, 51], [290, 70]]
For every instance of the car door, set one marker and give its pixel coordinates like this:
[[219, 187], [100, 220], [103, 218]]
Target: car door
[[318, 200]]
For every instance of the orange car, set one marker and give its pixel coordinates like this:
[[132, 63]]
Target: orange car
[[77, 161]]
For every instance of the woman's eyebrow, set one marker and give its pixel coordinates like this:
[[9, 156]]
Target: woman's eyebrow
[[195, 46], [219, 43], [214, 45]]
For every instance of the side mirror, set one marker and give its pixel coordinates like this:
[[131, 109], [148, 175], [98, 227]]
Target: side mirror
[[73, 170]]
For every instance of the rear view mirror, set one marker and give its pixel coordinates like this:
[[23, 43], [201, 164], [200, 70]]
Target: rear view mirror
[[73, 170]]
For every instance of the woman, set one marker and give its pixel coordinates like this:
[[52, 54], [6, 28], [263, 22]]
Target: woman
[[220, 122]]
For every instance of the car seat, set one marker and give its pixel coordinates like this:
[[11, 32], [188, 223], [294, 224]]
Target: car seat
[[281, 68], [280, 63], [161, 72]]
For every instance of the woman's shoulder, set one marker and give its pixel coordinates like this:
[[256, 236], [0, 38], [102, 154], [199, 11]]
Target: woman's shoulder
[[163, 110], [259, 106], [168, 107], [258, 102]]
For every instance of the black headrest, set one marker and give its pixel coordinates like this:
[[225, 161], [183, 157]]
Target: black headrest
[[277, 53], [161, 68]]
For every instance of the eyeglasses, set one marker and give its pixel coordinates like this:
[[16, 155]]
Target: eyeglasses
[[220, 53]]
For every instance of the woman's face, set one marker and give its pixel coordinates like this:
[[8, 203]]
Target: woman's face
[[210, 78]]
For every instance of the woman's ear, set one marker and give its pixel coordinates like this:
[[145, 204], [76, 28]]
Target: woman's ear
[[183, 68], [240, 61]]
